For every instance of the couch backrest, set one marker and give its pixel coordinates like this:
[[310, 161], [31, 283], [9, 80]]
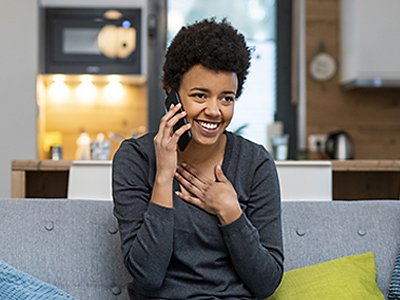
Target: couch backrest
[[319, 231], [75, 245]]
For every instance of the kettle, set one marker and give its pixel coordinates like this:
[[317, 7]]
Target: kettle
[[339, 145]]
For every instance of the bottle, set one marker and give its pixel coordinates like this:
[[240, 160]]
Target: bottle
[[83, 143], [56, 152]]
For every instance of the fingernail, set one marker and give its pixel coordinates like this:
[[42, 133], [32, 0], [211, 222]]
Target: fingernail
[[183, 164]]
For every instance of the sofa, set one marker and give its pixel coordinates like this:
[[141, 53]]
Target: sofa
[[75, 245]]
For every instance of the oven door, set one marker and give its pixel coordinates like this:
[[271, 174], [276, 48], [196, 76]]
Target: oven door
[[85, 41]]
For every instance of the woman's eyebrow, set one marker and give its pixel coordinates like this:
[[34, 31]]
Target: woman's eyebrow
[[229, 92], [199, 89], [207, 90]]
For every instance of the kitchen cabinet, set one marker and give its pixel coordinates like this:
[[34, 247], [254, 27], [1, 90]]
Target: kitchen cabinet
[[365, 179], [305, 180], [40, 178], [369, 51]]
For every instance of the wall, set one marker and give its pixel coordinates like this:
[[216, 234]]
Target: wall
[[372, 117], [19, 64]]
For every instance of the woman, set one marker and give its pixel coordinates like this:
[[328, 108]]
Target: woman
[[203, 223]]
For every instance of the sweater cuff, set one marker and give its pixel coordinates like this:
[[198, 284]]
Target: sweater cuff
[[157, 211], [242, 223]]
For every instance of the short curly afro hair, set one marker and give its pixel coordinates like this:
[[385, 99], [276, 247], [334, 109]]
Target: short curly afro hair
[[215, 45]]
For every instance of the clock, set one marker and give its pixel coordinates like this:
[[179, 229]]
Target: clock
[[322, 67]]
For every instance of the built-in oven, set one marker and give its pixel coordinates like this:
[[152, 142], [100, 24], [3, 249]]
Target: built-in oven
[[93, 40]]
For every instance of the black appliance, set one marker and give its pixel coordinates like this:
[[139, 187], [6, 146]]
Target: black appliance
[[93, 40]]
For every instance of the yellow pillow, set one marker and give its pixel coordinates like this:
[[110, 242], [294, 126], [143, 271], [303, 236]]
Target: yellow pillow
[[349, 277]]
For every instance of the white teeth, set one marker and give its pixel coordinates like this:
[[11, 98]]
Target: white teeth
[[208, 125]]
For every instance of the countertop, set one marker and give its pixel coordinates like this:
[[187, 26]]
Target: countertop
[[41, 165], [356, 165]]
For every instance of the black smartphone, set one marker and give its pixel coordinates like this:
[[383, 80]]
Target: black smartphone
[[173, 98]]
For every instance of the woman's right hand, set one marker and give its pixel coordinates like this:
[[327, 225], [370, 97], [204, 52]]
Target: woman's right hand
[[166, 141]]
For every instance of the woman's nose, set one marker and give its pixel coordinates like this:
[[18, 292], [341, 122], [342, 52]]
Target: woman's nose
[[212, 108]]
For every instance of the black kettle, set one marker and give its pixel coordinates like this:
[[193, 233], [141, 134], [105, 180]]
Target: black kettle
[[339, 145]]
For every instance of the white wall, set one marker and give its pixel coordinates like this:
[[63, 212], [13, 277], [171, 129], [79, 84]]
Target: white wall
[[18, 69]]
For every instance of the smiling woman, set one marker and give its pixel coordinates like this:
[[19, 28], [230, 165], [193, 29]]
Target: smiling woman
[[204, 222]]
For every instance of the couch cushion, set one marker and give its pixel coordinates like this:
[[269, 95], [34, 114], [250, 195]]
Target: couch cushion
[[346, 278]]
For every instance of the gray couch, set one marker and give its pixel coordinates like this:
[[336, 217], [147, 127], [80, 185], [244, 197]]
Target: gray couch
[[74, 244]]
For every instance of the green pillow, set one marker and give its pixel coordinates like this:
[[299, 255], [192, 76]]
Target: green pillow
[[350, 277]]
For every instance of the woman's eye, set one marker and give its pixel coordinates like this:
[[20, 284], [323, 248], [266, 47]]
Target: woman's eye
[[199, 96], [228, 99]]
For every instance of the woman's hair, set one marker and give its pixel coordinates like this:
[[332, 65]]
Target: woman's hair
[[215, 45]]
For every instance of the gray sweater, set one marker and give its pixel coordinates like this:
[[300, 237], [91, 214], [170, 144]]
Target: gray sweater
[[183, 252]]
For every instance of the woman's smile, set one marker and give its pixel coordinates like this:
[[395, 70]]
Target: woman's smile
[[208, 127]]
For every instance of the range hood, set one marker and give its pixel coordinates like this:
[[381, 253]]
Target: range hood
[[370, 47]]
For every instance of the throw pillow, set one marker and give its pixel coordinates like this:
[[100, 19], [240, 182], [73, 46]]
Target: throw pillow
[[16, 285], [394, 288], [349, 277]]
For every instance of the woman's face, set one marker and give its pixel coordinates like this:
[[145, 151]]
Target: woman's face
[[208, 98]]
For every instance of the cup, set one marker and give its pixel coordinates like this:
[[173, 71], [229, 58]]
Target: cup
[[280, 146]]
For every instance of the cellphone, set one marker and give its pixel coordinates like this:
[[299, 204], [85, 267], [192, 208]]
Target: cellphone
[[173, 98]]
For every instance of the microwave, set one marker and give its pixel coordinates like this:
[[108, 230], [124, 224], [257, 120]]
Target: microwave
[[93, 41]]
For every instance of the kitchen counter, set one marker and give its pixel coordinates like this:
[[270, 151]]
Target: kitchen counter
[[39, 178], [351, 179], [366, 165]]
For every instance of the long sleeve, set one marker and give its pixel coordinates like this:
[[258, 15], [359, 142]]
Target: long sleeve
[[146, 229], [255, 239]]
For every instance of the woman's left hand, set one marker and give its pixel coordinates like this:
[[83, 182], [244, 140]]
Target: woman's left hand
[[216, 197]]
